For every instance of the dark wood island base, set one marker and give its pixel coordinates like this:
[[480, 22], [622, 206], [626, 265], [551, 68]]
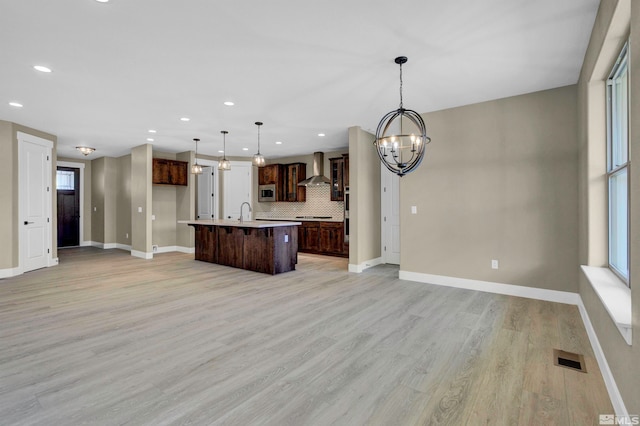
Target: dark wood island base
[[267, 247]]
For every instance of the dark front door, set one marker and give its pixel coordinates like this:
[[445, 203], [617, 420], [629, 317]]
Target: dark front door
[[68, 184]]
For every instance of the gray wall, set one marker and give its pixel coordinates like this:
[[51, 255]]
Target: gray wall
[[615, 21], [141, 196], [364, 203], [9, 207], [123, 201], [499, 181]]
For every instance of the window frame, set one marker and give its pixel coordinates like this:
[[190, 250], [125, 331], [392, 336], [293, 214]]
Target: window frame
[[612, 170]]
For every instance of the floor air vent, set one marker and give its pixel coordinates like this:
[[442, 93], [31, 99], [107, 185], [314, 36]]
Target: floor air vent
[[569, 360]]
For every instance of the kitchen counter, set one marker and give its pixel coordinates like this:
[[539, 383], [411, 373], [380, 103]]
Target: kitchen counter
[[300, 219], [237, 224], [266, 246]]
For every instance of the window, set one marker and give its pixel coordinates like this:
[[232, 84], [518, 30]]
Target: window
[[65, 180], [618, 165]]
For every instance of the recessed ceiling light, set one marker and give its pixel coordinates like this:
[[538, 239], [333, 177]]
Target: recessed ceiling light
[[151, 131], [102, 1], [220, 151], [278, 143], [245, 149], [150, 139], [15, 104], [185, 119], [229, 103], [321, 134], [42, 68]]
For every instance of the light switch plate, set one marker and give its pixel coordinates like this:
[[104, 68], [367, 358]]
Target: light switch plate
[[139, 209], [414, 209]]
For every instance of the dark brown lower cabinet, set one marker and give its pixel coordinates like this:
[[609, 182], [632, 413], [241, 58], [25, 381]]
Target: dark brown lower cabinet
[[270, 250], [323, 238], [207, 243], [332, 238], [230, 246], [309, 236]]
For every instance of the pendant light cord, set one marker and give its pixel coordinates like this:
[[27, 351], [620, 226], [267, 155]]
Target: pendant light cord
[[400, 85]]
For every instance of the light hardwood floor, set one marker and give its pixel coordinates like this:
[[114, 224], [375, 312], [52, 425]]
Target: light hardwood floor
[[106, 338]]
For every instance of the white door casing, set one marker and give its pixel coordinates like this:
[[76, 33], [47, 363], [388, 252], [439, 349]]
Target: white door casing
[[390, 197], [215, 185], [35, 202], [206, 193], [237, 189]]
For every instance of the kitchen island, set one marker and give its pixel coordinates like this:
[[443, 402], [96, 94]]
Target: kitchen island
[[262, 246]]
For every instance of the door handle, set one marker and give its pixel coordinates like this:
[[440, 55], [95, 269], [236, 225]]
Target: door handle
[[27, 223]]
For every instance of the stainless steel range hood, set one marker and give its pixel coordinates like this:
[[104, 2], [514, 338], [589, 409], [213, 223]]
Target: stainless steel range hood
[[318, 168]]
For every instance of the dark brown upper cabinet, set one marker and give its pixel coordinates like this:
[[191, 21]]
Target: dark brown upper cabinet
[[339, 171], [294, 173], [170, 172]]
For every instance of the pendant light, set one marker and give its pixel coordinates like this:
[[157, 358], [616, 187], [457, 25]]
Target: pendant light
[[401, 136], [224, 164], [258, 159], [196, 168]]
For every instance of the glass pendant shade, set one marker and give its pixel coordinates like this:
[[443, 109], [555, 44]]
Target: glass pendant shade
[[224, 164], [196, 168], [401, 137], [258, 159]]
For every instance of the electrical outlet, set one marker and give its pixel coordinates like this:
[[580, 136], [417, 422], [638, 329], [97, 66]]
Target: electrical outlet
[[414, 209], [127, 235], [494, 264], [139, 209], [286, 238]]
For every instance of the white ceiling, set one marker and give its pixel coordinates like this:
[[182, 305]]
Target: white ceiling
[[127, 66]]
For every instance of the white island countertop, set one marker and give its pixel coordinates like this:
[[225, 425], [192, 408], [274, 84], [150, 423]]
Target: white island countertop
[[236, 223]]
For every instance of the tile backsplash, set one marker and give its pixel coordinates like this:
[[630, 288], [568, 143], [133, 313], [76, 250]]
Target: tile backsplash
[[318, 204]]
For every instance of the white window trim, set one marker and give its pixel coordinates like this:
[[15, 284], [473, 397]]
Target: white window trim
[[623, 57], [615, 296]]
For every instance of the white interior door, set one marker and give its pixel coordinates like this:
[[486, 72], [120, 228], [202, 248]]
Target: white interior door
[[35, 202], [390, 197], [237, 189], [206, 193]]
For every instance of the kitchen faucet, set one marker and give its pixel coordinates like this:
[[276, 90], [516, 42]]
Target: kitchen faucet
[[241, 206]]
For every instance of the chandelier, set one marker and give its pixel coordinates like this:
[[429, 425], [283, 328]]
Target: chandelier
[[196, 168], [401, 136], [258, 159], [224, 164]]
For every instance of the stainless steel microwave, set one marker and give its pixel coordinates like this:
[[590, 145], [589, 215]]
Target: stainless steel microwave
[[267, 193]]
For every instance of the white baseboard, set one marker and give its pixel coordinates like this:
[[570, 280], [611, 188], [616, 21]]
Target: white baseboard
[[105, 246], [123, 247], [181, 249], [9, 272], [86, 243], [609, 381], [540, 294], [491, 287], [141, 254], [364, 265]]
